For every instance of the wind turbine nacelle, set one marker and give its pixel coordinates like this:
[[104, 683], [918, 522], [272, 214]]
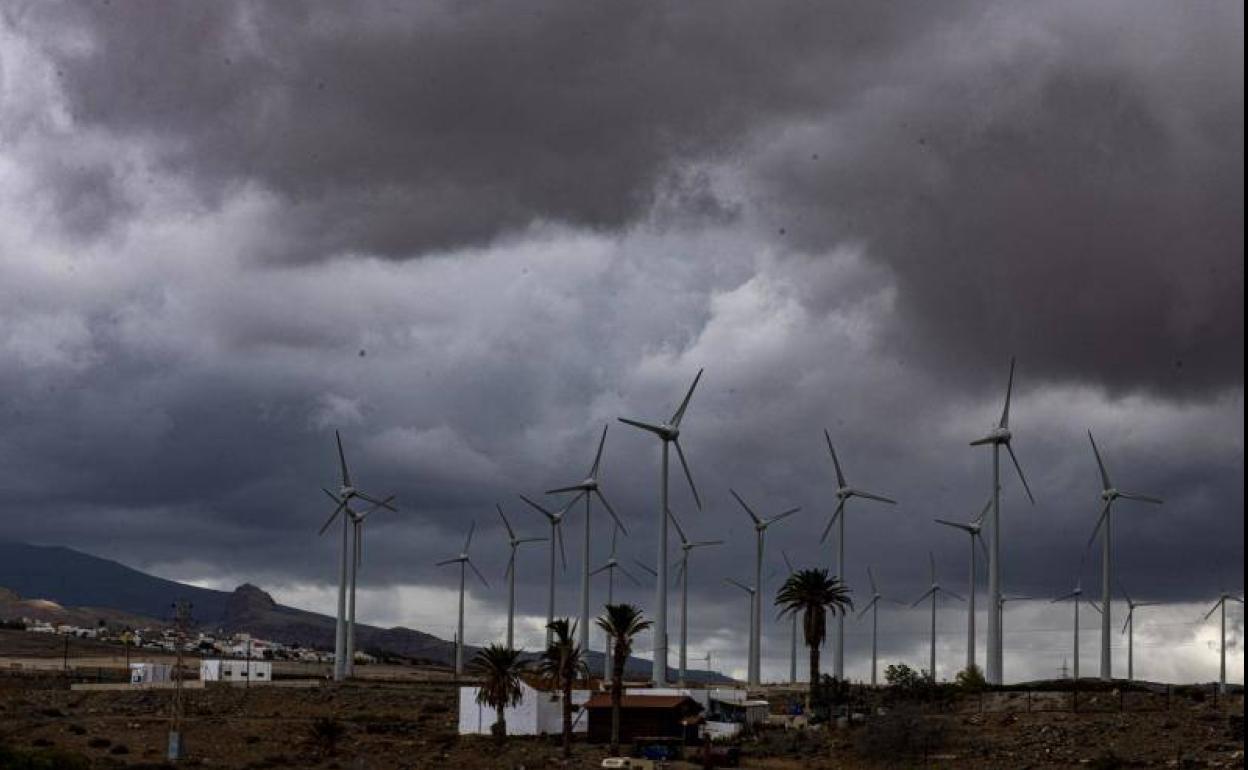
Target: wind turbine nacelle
[[998, 436], [1109, 494], [346, 492], [670, 432]]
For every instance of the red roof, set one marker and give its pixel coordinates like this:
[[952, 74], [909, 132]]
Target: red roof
[[603, 700]]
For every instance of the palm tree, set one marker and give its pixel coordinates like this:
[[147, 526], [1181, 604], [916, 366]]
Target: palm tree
[[621, 622], [562, 663], [812, 593], [499, 667]]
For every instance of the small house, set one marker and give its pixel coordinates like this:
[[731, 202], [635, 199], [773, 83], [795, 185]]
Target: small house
[[256, 671], [149, 673], [645, 716]]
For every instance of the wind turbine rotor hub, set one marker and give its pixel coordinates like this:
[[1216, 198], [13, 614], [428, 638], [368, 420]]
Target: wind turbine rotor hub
[[1109, 494]]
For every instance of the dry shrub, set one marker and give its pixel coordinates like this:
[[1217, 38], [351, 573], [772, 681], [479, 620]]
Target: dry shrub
[[899, 734]]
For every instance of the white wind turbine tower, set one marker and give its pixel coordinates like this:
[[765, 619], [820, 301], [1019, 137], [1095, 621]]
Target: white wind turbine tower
[[357, 538], [1001, 602], [587, 489], [753, 595], [843, 493], [974, 530], [1077, 596], [556, 536], [874, 606], [611, 565], [515, 543], [756, 627], [1109, 493], [669, 433], [464, 563], [682, 575], [1221, 604], [999, 436], [793, 627], [346, 493], [934, 592], [1128, 628]]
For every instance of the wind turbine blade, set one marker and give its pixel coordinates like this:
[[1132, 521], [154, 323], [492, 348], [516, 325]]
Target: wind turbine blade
[[615, 532], [379, 503], [870, 604], [1212, 609], [680, 413], [931, 558], [780, 516], [701, 543], [511, 533], [331, 518], [742, 586], [511, 563], [468, 541], [618, 524], [1127, 621], [379, 506], [358, 538], [603, 568], [332, 496], [982, 545], [840, 508], [1021, 477], [1239, 599], [1100, 520], [477, 572], [871, 579], [1009, 389], [563, 490], [872, 496], [531, 540], [680, 453], [748, 509], [982, 514], [646, 567], [1141, 498], [957, 596], [563, 556], [593, 470], [342, 461], [655, 429], [680, 570], [1064, 597], [926, 594], [671, 515], [787, 563], [1100, 464], [628, 574], [955, 525], [539, 508], [1124, 593], [836, 462], [445, 562]]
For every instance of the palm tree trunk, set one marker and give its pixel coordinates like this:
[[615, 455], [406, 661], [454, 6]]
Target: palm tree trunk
[[500, 727], [617, 693], [814, 677]]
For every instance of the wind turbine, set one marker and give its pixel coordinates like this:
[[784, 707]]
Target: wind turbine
[[756, 627], [588, 488], [610, 567], [974, 530], [464, 563], [998, 437], [346, 493], [1077, 596], [669, 433], [753, 595], [514, 542], [873, 605], [1221, 604], [843, 493], [1128, 628], [793, 629], [556, 534], [1109, 493], [682, 574], [933, 592], [1001, 602], [357, 539]]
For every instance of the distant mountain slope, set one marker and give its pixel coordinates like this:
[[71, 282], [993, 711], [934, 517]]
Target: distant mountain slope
[[78, 580]]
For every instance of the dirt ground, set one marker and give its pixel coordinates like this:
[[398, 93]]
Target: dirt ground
[[411, 725]]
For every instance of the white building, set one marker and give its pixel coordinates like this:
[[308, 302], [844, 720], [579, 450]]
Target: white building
[[539, 712], [256, 671], [148, 673]]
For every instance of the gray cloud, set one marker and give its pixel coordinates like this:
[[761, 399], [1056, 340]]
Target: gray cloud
[[850, 217]]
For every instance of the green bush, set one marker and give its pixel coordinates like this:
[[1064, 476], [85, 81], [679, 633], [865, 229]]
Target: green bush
[[971, 679]]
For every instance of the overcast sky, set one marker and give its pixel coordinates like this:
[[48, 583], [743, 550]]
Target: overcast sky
[[468, 235]]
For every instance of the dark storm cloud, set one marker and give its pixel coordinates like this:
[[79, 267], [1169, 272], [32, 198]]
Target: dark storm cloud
[[850, 215]]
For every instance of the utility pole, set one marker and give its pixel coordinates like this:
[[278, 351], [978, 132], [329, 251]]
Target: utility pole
[[182, 617]]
